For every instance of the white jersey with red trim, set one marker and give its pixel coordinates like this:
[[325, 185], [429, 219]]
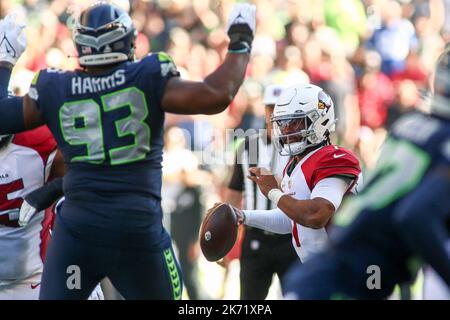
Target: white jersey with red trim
[[319, 164], [24, 166]]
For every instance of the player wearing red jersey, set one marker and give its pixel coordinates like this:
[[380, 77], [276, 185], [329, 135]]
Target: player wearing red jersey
[[27, 160], [316, 178]]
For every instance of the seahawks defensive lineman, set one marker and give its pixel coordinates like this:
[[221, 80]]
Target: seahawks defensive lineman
[[107, 120], [399, 220]]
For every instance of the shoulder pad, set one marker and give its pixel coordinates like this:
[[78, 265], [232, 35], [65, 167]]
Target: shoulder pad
[[330, 161], [335, 156], [33, 92], [39, 139], [167, 65]]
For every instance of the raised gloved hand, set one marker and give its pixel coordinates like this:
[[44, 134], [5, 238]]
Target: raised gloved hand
[[12, 39], [241, 28]]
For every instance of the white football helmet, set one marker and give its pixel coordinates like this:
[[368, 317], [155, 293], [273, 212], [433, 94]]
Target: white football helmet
[[303, 117]]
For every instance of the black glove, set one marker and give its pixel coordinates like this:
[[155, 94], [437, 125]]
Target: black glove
[[241, 28]]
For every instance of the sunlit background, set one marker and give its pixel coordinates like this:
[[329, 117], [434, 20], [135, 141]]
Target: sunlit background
[[373, 57]]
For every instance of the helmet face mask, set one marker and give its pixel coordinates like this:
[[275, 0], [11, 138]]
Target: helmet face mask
[[303, 118], [103, 35]]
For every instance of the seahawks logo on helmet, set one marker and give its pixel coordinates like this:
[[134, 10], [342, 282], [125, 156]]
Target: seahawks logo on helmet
[[104, 34]]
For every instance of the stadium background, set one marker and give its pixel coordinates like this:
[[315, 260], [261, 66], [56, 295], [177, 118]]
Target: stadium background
[[373, 57]]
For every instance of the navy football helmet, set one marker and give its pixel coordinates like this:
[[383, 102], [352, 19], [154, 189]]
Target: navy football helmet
[[104, 34]]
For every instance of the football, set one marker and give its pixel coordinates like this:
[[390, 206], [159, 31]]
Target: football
[[218, 232]]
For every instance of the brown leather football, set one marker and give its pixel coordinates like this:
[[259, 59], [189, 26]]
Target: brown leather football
[[218, 232]]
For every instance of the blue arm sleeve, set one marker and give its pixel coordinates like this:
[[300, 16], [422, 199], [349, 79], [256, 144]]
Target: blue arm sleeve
[[43, 197], [11, 115], [421, 222], [11, 108]]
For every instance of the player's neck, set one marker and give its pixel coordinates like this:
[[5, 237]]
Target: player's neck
[[299, 157], [100, 69]]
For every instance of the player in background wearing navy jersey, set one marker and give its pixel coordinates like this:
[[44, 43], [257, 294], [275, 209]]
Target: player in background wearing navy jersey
[[108, 120], [399, 220]]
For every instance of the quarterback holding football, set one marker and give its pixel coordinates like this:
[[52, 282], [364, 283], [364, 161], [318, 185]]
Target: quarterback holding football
[[315, 179]]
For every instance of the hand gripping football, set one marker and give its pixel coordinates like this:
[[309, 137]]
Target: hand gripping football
[[218, 232]]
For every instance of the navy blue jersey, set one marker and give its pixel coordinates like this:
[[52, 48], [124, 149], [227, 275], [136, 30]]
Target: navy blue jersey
[[366, 230], [109, 128]]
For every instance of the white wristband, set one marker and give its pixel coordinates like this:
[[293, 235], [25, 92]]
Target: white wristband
[[244, 217], [275, 195]]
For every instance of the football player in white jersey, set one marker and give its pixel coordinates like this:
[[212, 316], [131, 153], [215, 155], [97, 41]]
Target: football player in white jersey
[[27, 160], [316, 178]]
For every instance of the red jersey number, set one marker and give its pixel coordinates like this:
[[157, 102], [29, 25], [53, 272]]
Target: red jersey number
[[9, 208]]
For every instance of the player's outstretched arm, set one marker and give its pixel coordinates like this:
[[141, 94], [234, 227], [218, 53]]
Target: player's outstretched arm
[[270, 220], [43, 197], [216, 92], [313, 213], [17, 113], [421, 221], [40, 199]]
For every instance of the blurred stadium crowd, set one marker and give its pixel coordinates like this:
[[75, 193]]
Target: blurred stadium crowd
[[373, 57]]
